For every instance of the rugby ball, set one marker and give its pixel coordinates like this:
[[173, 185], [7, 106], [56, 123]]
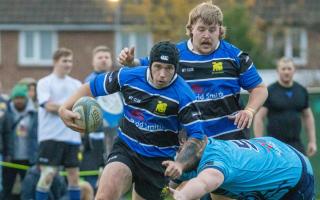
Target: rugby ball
[[112, 109], [90, 114]]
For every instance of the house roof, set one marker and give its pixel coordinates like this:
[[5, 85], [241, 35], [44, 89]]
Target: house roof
[[299, 12], [59, 12]]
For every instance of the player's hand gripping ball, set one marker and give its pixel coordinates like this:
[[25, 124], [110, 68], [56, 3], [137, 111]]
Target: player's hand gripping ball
[[90, 114]]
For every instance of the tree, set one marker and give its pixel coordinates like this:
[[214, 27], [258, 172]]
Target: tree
[[167, 19], [243, 31]]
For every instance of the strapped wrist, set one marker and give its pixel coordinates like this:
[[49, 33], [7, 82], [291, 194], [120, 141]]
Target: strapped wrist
[[251, 110]]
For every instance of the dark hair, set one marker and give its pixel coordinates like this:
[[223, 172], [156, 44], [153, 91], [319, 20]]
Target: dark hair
[[61, 52]]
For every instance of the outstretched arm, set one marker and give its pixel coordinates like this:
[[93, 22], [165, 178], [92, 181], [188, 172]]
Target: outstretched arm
[[191, 153], [207, 181], [187, 159]]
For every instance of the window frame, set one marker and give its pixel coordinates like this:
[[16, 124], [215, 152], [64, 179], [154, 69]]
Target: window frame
[[35, 60], [133, 37], [288, 43]]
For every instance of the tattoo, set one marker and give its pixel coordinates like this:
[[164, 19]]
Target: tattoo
[[191, 153]]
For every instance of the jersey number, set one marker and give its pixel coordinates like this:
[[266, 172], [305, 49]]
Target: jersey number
[[246, 144]]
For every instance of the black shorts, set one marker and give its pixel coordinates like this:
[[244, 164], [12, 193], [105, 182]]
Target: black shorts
[[56, 153], [147, 172], [304, 189], [92, 155]]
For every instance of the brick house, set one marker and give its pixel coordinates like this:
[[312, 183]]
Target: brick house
[[31, 30], [292, 29]]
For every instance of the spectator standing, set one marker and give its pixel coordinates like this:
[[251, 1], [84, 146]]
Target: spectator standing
[[101, 141], [24, 146], [286, 108], [5, 134], [59, 145], [32, 89]]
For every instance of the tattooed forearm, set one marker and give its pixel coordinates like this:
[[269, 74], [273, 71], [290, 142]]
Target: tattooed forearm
[[191, 153]]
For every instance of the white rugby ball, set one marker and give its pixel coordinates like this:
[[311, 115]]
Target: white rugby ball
[[90, 114]]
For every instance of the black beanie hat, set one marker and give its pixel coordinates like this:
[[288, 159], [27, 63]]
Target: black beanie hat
[[165, 52]]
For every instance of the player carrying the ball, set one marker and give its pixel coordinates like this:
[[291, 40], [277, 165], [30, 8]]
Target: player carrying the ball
[[157, 104]]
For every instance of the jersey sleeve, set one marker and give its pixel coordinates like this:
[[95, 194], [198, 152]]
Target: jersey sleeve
[[215, 156], [78, 83], [89, 78], [43, 92], [105, 84], [214, 164], [189, 114], [249, 77], [144, 61]]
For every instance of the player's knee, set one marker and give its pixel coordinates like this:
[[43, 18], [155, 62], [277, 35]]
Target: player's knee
[[46, 177], [104, 195], [73, 176]]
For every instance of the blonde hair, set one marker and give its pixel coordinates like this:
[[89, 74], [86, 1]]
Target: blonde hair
[[209, 14], [285, 60]]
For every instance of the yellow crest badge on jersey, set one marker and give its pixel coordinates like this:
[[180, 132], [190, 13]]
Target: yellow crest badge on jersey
[[217, 67], [161, 107]]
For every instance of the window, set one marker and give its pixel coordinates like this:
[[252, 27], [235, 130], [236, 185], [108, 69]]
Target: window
[[290, 42], [36, 47], [142, 42]]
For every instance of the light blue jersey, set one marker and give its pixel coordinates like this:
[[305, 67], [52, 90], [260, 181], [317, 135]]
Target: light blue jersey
[[260, 168]]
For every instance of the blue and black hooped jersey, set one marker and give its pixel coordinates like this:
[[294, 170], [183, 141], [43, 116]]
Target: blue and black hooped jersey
[[216, 79], [152, 117]]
